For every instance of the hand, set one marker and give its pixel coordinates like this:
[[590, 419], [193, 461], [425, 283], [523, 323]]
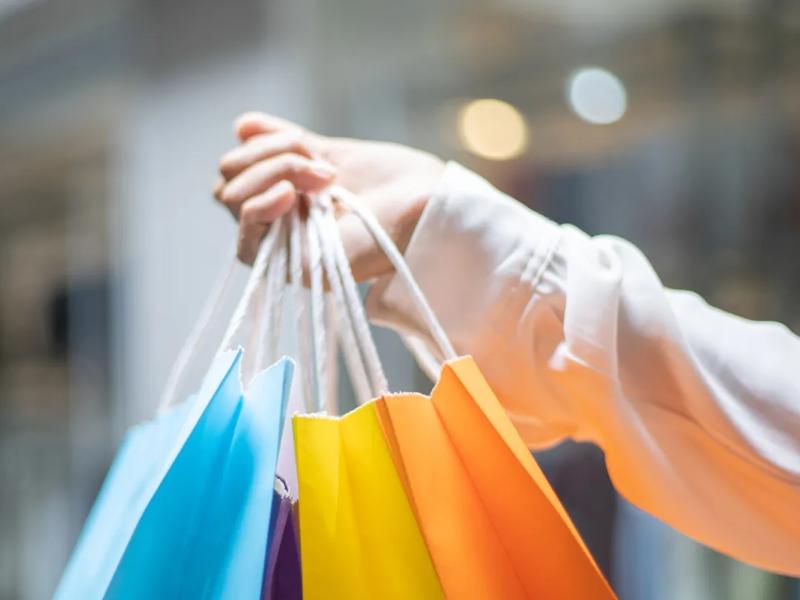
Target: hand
[[262, 178]]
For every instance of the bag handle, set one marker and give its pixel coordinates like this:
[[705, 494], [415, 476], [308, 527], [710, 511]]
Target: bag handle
[[352, 202], [296, 242], [212, 307], [360, 352], [266, 335], [326, 253], [259, 269], [353, 301]]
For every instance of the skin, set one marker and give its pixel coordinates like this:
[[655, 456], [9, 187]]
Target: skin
[[277, 162]]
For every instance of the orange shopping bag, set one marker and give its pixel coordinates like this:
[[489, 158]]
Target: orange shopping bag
[[491, 522]]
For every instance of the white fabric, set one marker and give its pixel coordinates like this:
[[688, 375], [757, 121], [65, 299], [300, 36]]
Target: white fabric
[[697, 410]]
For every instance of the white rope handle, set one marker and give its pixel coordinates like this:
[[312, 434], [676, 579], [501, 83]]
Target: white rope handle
[[352, 355], [302, 314], [198, 333], [270, 311], [209, 311], [353, 304], [278, 283], [256, 310], [318, 346], [324, 245], [383, 240], [332, 365], [258, 271]]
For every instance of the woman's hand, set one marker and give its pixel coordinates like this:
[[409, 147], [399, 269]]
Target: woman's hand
[[277, 161]]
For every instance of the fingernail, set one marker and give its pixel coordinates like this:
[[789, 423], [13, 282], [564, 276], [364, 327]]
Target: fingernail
[[323, 169]]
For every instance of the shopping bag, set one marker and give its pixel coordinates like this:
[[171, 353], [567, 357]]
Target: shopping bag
[[146, 454], [225, 557], [193, 517], [185, 510], [358, 535], [491, 521], [282, 568], [206, 531]]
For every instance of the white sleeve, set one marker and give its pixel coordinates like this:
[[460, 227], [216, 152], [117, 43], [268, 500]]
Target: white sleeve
[[697, 410]]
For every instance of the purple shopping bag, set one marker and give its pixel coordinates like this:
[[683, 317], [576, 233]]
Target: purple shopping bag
[[282, 580]]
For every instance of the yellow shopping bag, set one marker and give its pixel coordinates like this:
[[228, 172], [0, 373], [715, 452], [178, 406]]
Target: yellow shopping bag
[[358, 535]]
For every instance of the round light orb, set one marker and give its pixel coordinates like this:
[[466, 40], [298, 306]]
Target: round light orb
[[492, 129], [597, 96]]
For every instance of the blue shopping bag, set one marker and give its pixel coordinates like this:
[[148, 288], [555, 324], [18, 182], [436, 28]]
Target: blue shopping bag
[[185, 509]]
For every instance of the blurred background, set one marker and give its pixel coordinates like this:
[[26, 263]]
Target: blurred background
[[674, 123]]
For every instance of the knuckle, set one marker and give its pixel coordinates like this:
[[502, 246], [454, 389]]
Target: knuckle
[[286, 164], [217, 191], [225, 196], [296, 141], [227, 166], [285, 187], [250, 115], [248, 214], [229, 197], [257, 144], [293, 164]]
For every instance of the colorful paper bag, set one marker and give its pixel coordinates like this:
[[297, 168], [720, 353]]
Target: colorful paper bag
[[282, 568], [145, 456], [492, 523], [189, 517], [358, 535]]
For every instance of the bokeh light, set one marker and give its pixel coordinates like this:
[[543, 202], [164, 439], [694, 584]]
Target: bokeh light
[[597, 96], [492, 129]]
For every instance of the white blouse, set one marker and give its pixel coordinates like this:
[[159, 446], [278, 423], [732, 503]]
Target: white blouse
[[697, 410]]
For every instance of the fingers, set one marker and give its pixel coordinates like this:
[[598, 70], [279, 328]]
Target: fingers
[[305, 175], [219, 185], [260, 147], [258, 212], [262, 178], [253, 123]]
